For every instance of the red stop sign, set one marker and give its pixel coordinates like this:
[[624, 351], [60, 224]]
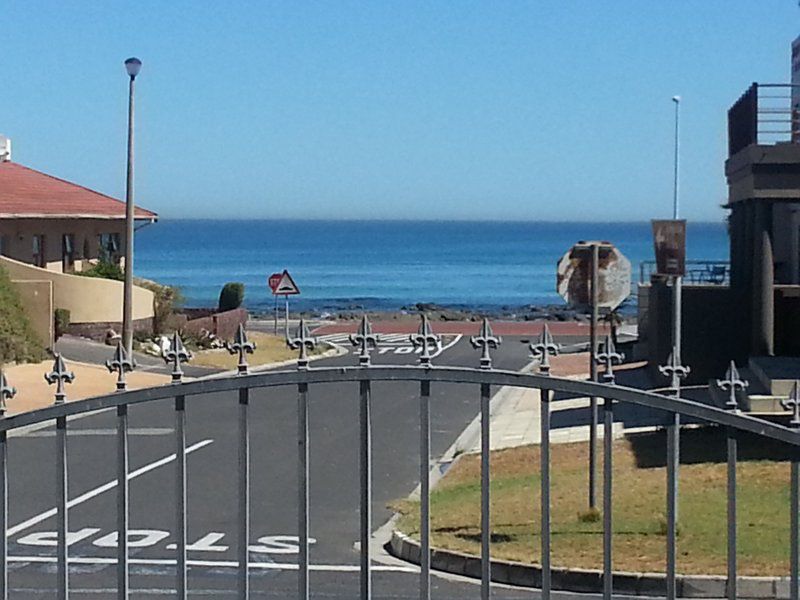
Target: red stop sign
[[274, 281]]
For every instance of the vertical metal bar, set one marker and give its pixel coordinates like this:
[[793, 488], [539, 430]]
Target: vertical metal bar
[[732, 451], [794, 553], [486, 530], [180, 495], [302, 485], [122, 501], [3, 517], [61, 503], [608, 447], [425, 489], [545, 490], [593, 376], [366, 489], [673, 459], [244, 494]]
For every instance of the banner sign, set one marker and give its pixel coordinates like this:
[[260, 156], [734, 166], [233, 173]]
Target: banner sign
[[669, 238]]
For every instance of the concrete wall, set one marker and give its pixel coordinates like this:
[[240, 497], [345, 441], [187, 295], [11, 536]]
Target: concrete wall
[[37, 298], [710, 335], [17, 239], [89, 299]]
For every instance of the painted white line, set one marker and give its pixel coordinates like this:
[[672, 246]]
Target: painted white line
[[103, 488], [447, 346], [103, 432], [92, 560]]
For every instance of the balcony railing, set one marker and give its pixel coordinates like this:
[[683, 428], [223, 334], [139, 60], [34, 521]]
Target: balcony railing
[[764, 114], [708, 272]]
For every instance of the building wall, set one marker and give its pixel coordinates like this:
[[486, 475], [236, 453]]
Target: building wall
[[37, 298], [89, 299], [16, 239]]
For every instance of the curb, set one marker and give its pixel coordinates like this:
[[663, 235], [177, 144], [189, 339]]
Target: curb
[[588, 580]]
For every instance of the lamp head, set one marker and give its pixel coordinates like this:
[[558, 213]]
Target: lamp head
[[676, 99], [132, 66]]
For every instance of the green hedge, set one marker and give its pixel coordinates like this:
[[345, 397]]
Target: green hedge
[[18, 342], [231, 296]]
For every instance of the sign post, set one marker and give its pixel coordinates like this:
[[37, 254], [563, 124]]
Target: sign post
[[282, 284], [594, 275]]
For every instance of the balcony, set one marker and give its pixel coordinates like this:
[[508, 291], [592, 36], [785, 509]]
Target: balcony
[[764, 115]]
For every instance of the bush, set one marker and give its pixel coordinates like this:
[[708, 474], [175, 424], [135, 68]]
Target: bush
[[166, 301], [61, 318], [231, 296], [105, 270], [18, 342]]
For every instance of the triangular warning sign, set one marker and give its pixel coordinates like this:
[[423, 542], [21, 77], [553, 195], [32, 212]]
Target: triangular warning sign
[[286, 286]]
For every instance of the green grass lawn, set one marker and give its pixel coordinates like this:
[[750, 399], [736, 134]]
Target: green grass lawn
[[639, 501]]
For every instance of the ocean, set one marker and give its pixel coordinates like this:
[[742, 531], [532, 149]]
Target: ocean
[[387, 265]]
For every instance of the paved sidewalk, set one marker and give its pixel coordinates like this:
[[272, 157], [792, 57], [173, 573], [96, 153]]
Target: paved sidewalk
[[515, 412]]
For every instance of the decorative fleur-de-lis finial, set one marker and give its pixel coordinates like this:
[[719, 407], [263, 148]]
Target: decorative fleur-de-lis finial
[[242, 346], [365, 340], [731, 384], [607, 357], [543, 349], [674, 370], [176, 354], [59, 375], [792, 403], [484, 340], [6, 392], [121, 364], [303, 341], [426, 339]]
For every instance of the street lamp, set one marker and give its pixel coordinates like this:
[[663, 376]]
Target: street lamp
[[132, 66]]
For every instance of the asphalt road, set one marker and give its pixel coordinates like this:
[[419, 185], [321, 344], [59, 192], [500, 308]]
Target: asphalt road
[[212, 465]]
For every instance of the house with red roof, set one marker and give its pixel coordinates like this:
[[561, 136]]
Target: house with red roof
[[50, 229], [55, 224]]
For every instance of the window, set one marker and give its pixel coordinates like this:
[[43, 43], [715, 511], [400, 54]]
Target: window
[[109, 247], [68, 253], [39, 258]]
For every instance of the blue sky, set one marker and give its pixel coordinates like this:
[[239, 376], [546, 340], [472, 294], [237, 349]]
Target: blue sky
[[540, 110]]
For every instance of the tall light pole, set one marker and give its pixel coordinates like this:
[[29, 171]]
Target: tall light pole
[[132, 66], [676, 284]]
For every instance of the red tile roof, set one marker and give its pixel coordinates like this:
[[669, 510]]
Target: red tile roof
[[26, 193]]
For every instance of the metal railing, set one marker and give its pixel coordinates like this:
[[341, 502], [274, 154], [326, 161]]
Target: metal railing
[[764, 114], [710, 272], [485, 377]]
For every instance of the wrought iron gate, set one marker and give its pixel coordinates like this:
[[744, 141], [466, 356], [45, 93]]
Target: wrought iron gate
[[484, 378]]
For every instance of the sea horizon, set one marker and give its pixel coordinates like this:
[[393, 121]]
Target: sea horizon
[[389, 265]]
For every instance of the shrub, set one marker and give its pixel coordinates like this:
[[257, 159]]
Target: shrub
[[104, 269], [61, 318], [231, 296], [167, 300], [18, 342], [590, 515]]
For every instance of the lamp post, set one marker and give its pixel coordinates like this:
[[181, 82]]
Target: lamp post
[[132, 66], [676, 283]]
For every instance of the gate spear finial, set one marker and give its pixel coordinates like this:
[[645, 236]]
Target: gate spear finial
[[59, 375], [485, 340], [303, 341], [243, 347], [425, 338], [544, 348], [607, 358], [176, 354], [731, 384], [6, 392], [121, 364], [675, 371], [365, 340]]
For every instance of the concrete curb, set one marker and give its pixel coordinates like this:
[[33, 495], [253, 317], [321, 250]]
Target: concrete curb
[[588, 580], [334, 351]]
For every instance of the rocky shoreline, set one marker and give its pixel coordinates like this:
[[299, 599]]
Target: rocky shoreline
[[550, 312]]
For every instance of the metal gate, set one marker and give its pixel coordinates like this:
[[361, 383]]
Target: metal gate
[[484, 378]]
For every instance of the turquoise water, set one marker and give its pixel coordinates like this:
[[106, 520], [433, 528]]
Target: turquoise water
[[385, 265]]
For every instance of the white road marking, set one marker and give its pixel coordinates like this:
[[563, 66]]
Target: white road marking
[[103, 488], [92, 560], [101, 432]]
